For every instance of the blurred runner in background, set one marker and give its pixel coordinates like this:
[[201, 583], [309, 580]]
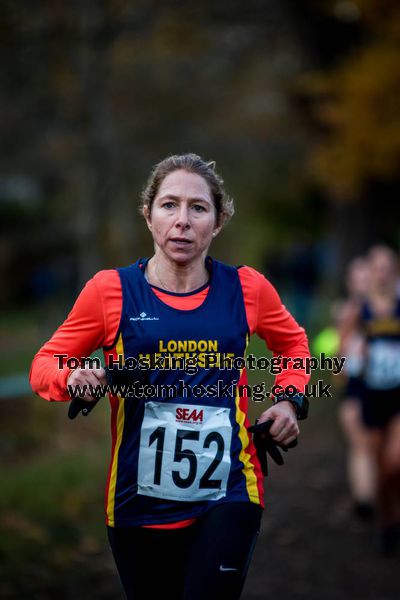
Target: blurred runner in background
[[380, 318], [360, 464]]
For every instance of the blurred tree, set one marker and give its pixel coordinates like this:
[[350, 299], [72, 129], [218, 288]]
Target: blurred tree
[[95, 93], [92, 94], [354, 103]]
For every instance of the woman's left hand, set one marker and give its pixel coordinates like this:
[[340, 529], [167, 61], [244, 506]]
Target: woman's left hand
[[284, 428]]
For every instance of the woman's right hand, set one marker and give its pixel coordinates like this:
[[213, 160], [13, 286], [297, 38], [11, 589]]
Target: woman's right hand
[[87, 377]]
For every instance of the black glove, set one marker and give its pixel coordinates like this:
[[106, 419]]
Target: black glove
[[115, 377], [264, 444], [78, 404]]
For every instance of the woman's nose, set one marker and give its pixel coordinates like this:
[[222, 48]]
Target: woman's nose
[[183, 216]]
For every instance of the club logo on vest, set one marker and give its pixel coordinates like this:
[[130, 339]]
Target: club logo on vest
[[144, 317], [188, 415]]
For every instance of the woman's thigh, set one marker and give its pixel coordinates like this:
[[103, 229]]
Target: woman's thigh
[[150, 562], [220, 549], [204, 561]]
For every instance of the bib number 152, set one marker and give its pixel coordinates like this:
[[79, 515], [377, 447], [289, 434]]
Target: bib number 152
[[184, 461]]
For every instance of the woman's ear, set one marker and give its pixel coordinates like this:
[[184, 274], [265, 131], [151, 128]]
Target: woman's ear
[[216, 231], [147, 216]]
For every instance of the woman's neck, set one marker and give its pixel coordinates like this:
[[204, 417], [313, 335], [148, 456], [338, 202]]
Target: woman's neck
[[174, 277], [383, 300], [385, 291]]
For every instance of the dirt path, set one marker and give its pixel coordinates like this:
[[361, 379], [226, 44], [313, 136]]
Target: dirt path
[[310, 545]]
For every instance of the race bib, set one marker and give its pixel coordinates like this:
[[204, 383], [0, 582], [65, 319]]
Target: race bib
[[354, 352], [184, 452], [383, 370]]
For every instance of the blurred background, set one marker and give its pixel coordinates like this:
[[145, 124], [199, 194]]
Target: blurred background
[[298, 104]]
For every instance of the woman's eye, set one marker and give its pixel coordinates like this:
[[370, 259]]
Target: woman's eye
[[198, 208], [168, 204]]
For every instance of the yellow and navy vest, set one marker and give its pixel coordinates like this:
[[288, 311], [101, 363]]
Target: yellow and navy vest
[[382, 367], [175, 457]]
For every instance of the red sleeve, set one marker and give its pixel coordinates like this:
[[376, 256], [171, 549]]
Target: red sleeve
[[92, 323], [268, 317]]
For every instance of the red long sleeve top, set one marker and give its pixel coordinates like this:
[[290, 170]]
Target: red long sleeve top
[[94, 320]]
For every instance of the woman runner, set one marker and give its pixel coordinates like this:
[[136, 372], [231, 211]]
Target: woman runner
[[380, 318], [360, 463], [184, 495]]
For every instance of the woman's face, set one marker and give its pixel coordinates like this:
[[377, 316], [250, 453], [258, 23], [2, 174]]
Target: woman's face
[[383, 269], [183, 218], [358, 277]]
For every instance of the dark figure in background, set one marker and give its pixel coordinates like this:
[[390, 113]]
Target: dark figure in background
[[380, 319], [360, 463]]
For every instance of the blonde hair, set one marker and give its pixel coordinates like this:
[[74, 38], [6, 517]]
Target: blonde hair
[[193, 164]]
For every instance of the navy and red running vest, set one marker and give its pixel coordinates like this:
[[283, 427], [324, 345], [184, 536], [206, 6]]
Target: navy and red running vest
[[179, 450]]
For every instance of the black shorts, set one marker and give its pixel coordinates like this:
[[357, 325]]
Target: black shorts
[[380, 406], [354, 389], [204, 561]]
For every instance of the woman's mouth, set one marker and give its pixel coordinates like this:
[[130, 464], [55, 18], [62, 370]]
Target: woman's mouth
[[181, 242]]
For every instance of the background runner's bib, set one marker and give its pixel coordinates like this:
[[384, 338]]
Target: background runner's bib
[[382, 367], [354, 352], [184, 459], [383, 371]]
